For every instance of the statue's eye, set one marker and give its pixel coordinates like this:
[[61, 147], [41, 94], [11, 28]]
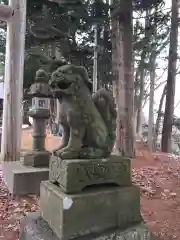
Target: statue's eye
[[53, 85]]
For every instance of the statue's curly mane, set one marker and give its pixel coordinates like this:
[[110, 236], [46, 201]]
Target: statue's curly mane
[[83, 72]]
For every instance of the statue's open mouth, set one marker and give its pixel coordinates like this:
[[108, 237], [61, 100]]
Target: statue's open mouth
[[60, 85], [64, 84]]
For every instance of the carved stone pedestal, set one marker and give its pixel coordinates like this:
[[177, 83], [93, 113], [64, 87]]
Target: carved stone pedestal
[[87, 199], [74, 175]]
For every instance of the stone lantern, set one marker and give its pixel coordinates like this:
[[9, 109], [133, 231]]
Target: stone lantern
[[40, 92]]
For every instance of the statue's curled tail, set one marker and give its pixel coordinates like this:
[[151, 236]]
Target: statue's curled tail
[[104, 102]]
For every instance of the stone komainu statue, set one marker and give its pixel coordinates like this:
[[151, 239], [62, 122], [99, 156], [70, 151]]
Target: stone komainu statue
[[89, 122]]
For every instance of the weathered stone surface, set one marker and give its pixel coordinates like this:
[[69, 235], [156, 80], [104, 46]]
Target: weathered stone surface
[[89, 121], [37, 158], [74, 175], [40, 87], [92, 211], [33, 227], [23, 180]]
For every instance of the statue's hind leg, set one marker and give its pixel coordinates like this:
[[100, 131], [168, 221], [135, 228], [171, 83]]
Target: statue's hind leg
[[95, 141], [96, 134]]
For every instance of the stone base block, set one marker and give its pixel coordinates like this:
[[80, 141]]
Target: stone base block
[[92, 211], [37, 158], [23, 180], [74, 175], [34, 227]]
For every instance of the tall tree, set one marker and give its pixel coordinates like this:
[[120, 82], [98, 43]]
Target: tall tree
[[159, 116], [123, 82], [144, 41], [170, 93], [152, 62], [142, 73], [151, 102], [128, 79]]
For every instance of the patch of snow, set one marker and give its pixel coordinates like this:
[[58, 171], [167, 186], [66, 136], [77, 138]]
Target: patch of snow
[[67, 203]]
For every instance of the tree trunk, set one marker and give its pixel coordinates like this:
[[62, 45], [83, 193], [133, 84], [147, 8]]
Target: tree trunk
[[159, 116], [128, 80], [140, 101], [142, 76], [124, 84], [136, 98], [118, 81], [151, 102], [95, 62], [169, 107]]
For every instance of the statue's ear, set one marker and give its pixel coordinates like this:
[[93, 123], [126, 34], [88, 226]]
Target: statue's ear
[[82, 71]]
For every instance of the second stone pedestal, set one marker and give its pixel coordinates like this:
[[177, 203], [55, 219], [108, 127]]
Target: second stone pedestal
[[92, 211], [34, 227], [23, 180]]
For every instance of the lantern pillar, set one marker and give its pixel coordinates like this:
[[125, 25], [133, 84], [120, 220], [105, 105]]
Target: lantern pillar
[[40, 112]]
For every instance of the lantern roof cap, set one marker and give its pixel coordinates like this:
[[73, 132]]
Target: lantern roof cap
[[41, 88], [41, 76]]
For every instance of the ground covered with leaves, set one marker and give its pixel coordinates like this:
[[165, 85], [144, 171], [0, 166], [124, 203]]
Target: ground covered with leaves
[[12, 210], [157, 175]]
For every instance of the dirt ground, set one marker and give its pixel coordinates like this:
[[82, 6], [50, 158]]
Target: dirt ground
[[157, 175]]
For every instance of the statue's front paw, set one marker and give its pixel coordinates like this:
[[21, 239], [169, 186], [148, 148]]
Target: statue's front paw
[[68, 154], [57, 152], [54, 152]]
